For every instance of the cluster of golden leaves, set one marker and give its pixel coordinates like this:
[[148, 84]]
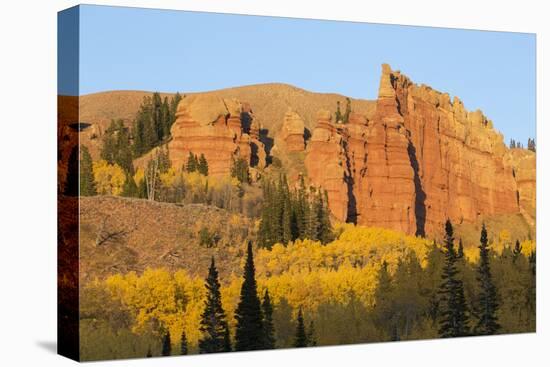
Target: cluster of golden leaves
[[305, 273]]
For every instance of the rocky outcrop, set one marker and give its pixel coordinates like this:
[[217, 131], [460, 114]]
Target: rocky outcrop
[[523, 164], [421, 159], [326, 164], [292, 132], [212, 126], [385, 185]]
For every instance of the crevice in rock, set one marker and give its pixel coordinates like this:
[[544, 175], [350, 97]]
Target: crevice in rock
[[420, 195]]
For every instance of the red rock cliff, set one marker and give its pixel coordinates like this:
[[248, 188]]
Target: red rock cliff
[[212, 126], [420, 160]]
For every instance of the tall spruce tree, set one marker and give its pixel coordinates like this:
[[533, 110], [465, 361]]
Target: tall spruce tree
[[166, 344], [454, 312], [214, 327], [249, 332], [268, 327], [338, 114], [347, 113], [487, 304], [192, 162], [174, 101], [311, 338], [300, 338], [130, 189], [183, 344], [202, 165], [87, 182], [517, 250], [460, 251]]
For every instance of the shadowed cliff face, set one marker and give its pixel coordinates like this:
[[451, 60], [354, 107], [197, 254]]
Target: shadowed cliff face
[[420, 160]]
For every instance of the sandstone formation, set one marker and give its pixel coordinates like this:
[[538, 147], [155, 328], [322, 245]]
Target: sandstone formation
[[206, 124], [326, 163], [523, 163], [292, 132], [421, 159]]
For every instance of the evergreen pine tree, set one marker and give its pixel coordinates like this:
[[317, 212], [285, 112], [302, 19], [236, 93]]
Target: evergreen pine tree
[[487, 304], [239, 170], [286, 218], [87, 182], [460, 251], [517, 250], [142, 189], [202, 165], [338, 114], [191, 162], [531, 145], [311, 338], [174, 101], [383, 307], [302, 210], [214, 327], [300, 338], [324, 228], [249, 331], [158, 124], [130, 189], [166, 344], [183, 344], [268, 327], [267, 217], [454, 318], [345, 118], [165, 118]]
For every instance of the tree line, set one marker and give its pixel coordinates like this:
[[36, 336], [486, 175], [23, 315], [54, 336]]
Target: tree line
[[153, 122], [254, 330], [288, 215], [531, 145], [465, 300]]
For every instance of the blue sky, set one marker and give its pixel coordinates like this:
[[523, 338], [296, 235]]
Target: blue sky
[[159, 50]]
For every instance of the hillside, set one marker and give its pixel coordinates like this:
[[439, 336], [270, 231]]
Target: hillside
[[119, 235], [269, 102]]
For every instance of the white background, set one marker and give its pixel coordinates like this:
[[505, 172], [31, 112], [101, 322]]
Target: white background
[[28, 183]]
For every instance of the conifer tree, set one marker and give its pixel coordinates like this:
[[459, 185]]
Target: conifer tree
[[268, 217], [286, 219], [130, 189], [183, 344], [249, 332], [302, 210], [142, 189], [202, 165], [454, 318], [338, 114], [214, 327], [174, 101], [268, 327], [517, 250], [345, 118], [191, 163], [165, 118], [300, 338], [311, 338], [166, 344], [460, 251], [239, 170], [487, 304], [87, 183]]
